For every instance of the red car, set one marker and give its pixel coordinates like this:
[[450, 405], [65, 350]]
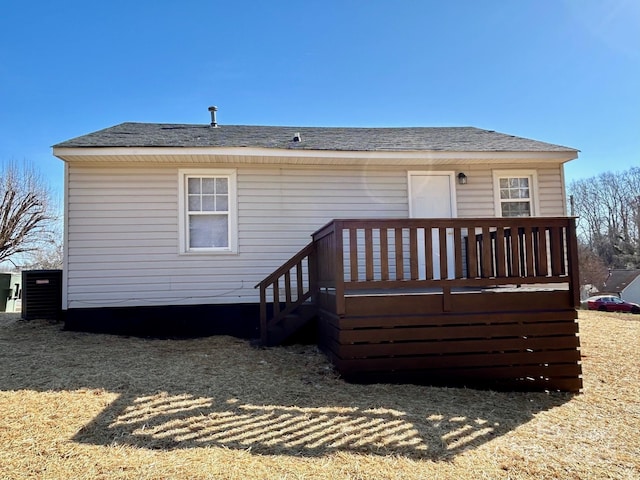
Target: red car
[[611, 303]]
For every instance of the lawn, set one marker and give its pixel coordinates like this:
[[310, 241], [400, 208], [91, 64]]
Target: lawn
[[78, 405]]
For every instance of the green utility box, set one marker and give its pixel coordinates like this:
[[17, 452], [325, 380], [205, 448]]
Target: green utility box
[[5, 290]]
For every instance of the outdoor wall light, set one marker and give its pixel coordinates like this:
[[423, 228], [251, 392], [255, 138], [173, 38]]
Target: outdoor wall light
[[462, 179]]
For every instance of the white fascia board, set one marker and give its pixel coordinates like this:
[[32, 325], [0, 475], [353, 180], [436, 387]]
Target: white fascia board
[[173, 154]]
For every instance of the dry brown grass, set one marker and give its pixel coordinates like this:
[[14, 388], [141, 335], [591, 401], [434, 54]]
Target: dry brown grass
[[78, 405]]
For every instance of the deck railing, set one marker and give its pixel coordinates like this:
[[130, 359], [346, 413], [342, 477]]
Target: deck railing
[[286, 289], [446, 253], [423, 254]]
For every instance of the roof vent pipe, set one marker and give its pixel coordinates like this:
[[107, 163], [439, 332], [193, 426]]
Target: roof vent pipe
[[213, 111]]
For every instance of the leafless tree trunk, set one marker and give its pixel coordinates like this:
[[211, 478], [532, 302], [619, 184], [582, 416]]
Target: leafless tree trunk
[[25, 217]]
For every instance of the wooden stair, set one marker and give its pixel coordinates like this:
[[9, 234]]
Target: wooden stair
[[288, 326], [290, 290]]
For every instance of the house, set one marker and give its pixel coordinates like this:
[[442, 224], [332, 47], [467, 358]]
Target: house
[[625, 283], [169, 228]]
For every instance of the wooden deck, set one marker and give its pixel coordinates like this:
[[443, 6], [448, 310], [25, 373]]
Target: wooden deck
[[482, 302]]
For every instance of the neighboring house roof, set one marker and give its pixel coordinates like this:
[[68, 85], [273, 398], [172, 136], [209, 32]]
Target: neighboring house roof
[[618, 280], [446, 139]]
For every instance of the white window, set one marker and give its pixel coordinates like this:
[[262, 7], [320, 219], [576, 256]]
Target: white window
[[515, 193], [208, 211]]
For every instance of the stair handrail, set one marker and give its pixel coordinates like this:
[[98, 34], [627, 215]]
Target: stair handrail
[[273, 280]]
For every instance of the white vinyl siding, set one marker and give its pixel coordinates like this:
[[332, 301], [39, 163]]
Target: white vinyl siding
[[123, 226], [478, 197], [631, 293], [123, 230], [551, 194]]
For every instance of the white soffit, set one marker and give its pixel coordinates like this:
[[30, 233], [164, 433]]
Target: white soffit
[[308, 157]]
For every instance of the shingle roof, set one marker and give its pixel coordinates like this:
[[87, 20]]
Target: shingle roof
[[619, 280], [454, 139]]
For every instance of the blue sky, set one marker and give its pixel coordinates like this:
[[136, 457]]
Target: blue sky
[[560, 71]]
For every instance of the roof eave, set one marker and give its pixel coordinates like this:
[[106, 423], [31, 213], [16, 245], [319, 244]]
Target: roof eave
[[168, 154]]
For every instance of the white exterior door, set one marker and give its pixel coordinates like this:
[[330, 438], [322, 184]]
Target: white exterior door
[[432, 195]]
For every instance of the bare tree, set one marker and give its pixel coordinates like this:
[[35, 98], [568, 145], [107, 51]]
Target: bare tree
[[593, 271], [26, 219], [49, 257], [608, 207]]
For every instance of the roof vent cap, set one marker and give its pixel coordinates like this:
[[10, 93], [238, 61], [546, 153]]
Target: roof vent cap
[[297, 137], [213, 111]]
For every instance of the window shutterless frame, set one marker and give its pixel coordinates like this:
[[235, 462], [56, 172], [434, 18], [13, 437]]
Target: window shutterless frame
[[207, 211], [515, 193]]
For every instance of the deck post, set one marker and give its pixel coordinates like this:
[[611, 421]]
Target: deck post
[[264, 334], [446, 299], [339, 267], [572, 257], [312, 260]]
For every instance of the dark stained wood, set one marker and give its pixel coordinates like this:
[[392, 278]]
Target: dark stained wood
[[396, 223], [516, 371], [353, 254], [472, 253], [455, 332], [428, 248], [460, 361], [433, 319], [430, 367], [348, 325], [384, 254], [443, 253], [543, 269], [556, 248], [299, 276], [490, 345], [573, 263], [274, 326], [368, 305], [287, 286], [500, 253], [368, 250], [413, 253], [514, 271], [528, 249], [263, 314], [323, 259], [446, 299], [457, 245], [276, 298], [327, 230], [482, 378], [325, 301], [563, 251], [398, 254], [426, 285], [524, 340], [338, 269], [487, 253], [475, 327]]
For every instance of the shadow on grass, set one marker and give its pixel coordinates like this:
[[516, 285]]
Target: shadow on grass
[[165, 421], [220, 392]]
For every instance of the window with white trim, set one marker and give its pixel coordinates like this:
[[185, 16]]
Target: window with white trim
[[208, 211], [515, 193]]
